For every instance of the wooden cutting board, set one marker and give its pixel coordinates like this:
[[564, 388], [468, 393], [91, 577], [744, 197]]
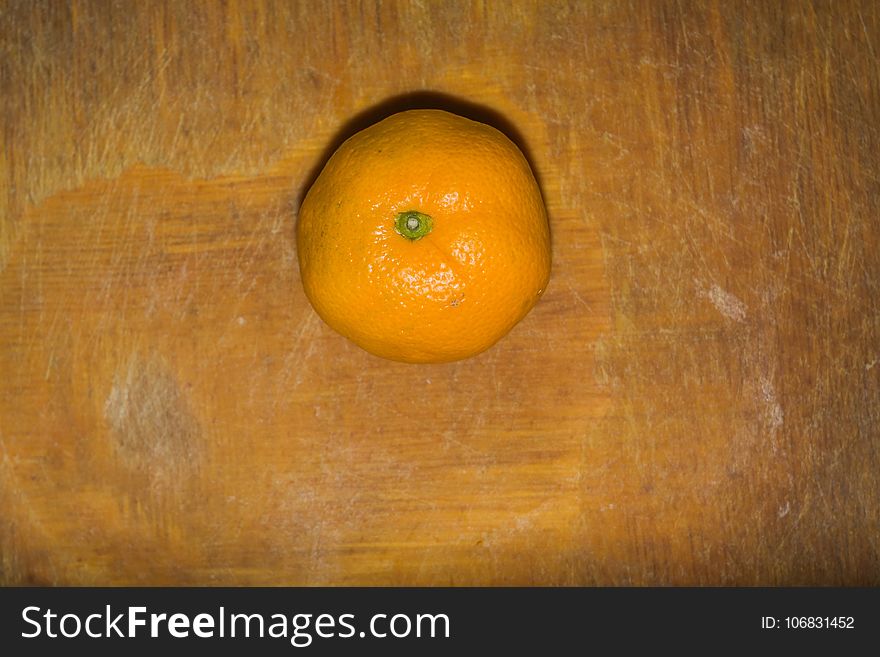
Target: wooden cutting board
[[695, 400]]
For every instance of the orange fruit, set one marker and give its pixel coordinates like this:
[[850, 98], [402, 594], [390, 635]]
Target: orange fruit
[[424, 238]]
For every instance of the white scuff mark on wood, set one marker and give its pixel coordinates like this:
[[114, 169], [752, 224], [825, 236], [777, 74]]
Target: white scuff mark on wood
[[774, 415], [784, 510], [152, 426], [727, 304], [870, 366]]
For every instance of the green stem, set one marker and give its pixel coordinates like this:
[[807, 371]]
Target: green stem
[[413, 225]]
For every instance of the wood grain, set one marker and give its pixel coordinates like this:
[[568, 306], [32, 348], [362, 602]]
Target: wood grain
[[694, 401]]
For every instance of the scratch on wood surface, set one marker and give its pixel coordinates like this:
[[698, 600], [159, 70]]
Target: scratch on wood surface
[[522, 522], [297, 356], [867, 36], [774, 415], [577, 296]]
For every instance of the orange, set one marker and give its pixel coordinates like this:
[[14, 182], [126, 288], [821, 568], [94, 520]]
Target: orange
[[424, 238]]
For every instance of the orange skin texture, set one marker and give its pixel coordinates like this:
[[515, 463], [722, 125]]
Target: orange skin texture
[[459, 289]]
